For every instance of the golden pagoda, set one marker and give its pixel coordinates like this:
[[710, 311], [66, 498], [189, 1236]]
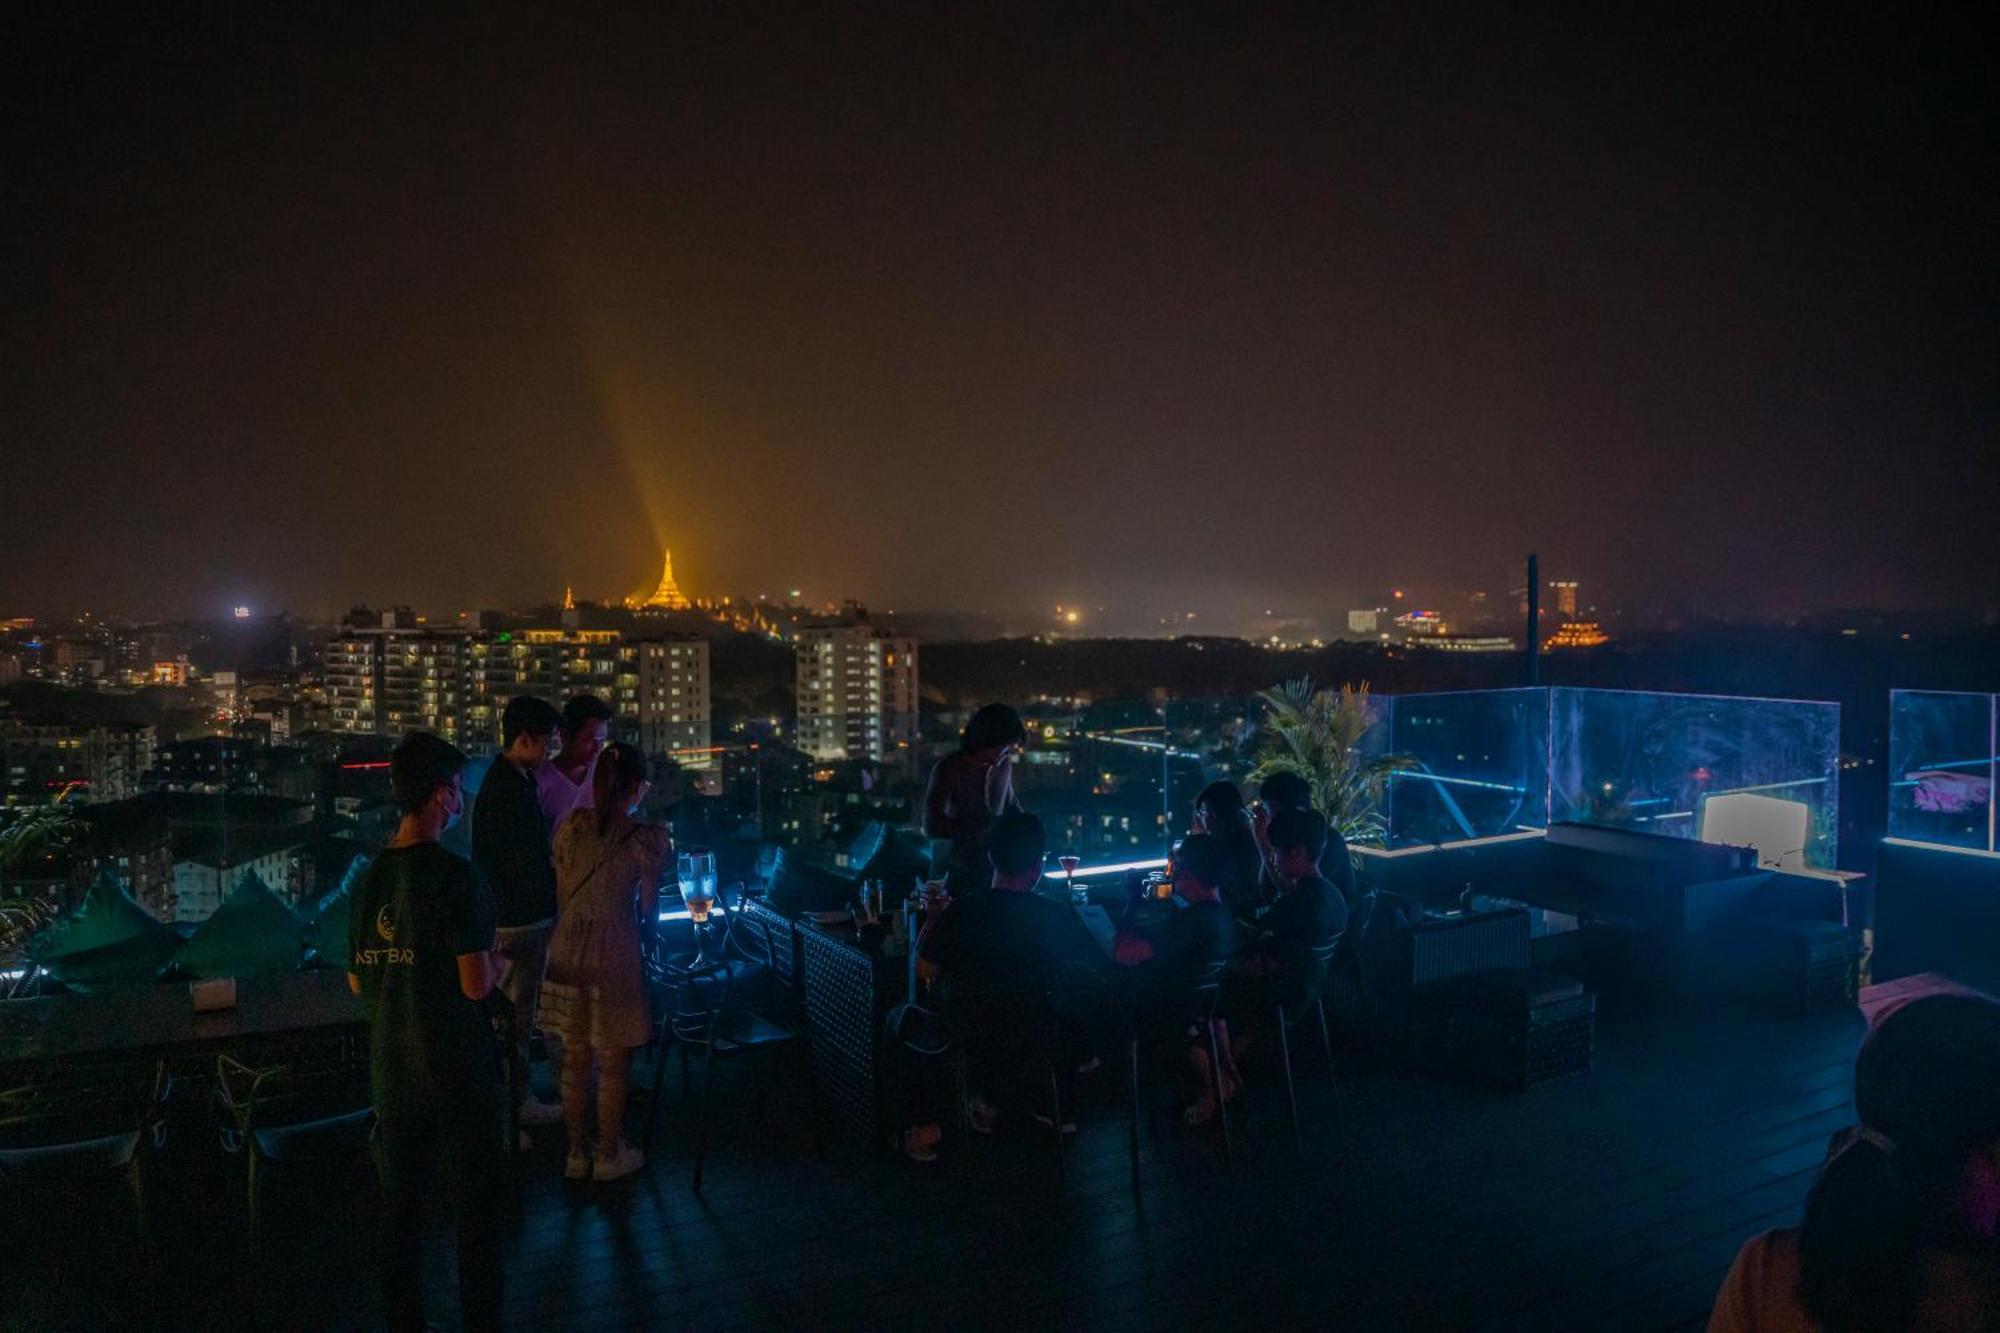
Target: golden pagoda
[[668, 596]]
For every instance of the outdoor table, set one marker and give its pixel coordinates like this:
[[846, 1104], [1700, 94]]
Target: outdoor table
[[148, 1023], [849, 982]]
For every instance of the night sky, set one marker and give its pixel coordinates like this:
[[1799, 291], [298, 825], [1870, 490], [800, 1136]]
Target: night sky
[[998, 309]]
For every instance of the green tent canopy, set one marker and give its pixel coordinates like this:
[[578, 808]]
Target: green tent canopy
[[253, 931], [109, 941]]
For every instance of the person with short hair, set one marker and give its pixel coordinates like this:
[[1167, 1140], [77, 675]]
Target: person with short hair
[[1290, 791], [1309, 912], [968, 790], [510, 845], [1171, 954], [564, 783], [1278, 965], [421, 957], [608, 867], [1005, 956], [1902, 1227]]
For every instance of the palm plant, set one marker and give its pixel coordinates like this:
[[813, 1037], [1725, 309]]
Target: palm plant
[[21, 918], [1317, 734], [36, 837]]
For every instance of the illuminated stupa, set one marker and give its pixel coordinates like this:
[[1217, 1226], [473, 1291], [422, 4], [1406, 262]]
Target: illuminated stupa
[[668, 596]]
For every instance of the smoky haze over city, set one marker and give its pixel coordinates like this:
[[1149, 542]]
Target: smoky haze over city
[[1153, 312]]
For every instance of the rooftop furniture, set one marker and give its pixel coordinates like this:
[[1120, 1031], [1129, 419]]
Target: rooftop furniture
[[313, 1109]]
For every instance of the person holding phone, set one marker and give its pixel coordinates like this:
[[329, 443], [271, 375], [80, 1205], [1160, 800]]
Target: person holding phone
[[968, 790]]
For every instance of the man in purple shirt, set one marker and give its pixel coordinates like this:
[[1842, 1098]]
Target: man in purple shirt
[[563, 783]]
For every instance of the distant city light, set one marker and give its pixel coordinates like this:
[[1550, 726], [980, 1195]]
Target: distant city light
[[242, 613]]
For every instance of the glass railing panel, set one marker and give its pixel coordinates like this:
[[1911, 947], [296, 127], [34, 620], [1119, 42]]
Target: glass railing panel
[[1471, 764], [1942, 768], [1762, 772]]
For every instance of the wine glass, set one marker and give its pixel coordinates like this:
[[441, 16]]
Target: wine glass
[[1069, 865]]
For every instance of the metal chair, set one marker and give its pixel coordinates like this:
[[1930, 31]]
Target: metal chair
[[1039, 1038], [1305, 990], [67, 1132], [702, 1014], [316, 1109], [1203, 998]]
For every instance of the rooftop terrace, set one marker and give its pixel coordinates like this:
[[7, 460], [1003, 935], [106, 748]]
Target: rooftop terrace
[[1614, 1201]]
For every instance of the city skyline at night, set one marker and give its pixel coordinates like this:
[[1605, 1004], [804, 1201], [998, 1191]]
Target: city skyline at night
[[1224, 310]]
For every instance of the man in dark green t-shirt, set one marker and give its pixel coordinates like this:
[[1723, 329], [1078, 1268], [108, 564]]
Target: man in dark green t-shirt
[[420, 941]]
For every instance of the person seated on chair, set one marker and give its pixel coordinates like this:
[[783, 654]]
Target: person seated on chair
[[1173, 953], [1006, 957], [1278, 964], [1238, 875], [1309, 912], [1289, 791]]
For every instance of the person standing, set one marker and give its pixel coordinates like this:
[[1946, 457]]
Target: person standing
[[608, 868], [420, 956], [971, 788], [510, 845], [564, 783]]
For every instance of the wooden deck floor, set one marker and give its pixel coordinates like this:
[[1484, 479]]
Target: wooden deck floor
[[1612, 1201]]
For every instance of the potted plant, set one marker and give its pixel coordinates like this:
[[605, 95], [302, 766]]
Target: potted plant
[[1317, 734]]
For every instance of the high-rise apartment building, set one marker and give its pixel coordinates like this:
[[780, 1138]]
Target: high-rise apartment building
[[44, 758], [673, 701], [385, 680], [857, 692], [423, 683], [1565, 590]]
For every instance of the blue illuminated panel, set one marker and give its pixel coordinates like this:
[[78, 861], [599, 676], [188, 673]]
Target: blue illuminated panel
[[1942, 768], [1653, 762], [1478, 764]]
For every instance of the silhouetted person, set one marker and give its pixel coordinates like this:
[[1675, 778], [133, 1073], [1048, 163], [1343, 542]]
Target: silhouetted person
[[1902, 1228], [1005, 956], [1238, 872], [1171, 954], [1289, 791], [971, 788], [510, 845], [420, 944], [563, 783]]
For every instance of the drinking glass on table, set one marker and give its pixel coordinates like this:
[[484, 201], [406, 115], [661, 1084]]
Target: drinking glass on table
[[696, 866], [1069, 865]]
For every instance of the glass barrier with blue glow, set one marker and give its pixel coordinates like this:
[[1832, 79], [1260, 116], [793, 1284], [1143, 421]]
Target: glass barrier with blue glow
[[1476, 764], [1942, 768], [1758, 772]]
